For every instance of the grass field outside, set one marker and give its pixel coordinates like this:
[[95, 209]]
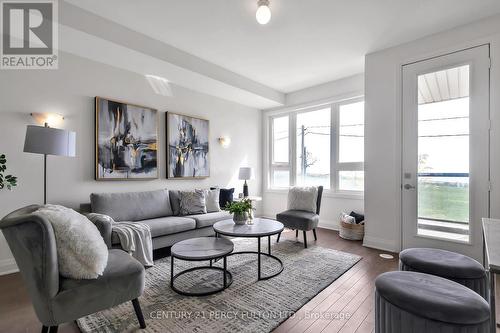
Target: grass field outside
[[443, 201]]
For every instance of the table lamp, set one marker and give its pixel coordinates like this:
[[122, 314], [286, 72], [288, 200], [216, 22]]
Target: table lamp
[[49, 141], [245, 174]]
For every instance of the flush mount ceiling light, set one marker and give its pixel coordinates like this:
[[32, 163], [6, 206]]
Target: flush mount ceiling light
[[263, 14]]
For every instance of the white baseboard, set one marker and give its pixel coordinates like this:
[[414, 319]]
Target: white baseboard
[[332, 225], [8, 266], [380, 244]]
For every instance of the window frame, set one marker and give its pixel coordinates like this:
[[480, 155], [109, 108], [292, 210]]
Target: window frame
[[291, 166]]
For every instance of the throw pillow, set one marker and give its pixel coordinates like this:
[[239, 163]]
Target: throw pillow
[[303, 198], [212, 200], [225, 196], [358, 217], [192, 202], [175, 201], [81, 251]]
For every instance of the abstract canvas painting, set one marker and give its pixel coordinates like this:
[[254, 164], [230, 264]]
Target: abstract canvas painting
[[126, 141], [187, 147]]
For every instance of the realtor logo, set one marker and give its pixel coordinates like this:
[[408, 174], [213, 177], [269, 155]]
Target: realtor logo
[[29, 34]]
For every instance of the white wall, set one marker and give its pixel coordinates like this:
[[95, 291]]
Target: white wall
[[70, 90], [351, 85], [332, 204], [383, 124]]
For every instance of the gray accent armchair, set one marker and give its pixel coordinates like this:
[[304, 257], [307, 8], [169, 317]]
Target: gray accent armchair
[[301, 220], [57, 299]]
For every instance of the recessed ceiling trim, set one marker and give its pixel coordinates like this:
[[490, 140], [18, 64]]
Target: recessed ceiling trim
[[86, 34]]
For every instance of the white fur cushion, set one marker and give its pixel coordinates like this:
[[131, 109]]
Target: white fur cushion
[[81, 251], [303, 198]]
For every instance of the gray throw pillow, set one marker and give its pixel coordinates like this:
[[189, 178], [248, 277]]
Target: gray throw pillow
[[175, 201], [192, 202], [212, 200]]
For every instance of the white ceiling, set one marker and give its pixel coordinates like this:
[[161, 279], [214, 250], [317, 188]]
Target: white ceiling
[[307, 42]]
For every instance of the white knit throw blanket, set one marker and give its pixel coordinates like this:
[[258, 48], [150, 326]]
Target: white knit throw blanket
[[135, 238]]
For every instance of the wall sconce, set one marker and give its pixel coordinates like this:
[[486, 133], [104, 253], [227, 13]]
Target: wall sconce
[[225, 141], [51, 119]]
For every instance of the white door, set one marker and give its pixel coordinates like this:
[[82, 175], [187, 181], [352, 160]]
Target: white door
[[445, 151]]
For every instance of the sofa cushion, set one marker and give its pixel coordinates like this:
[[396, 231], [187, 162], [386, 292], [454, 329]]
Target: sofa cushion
[[192, 202], [164, 226], [298, 219], [132, 206], [206, 220]]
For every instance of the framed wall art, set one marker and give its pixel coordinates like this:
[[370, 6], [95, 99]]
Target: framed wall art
[[187, 146], [126, 141]]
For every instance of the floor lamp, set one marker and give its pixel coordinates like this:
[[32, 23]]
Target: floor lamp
[[49, 141]]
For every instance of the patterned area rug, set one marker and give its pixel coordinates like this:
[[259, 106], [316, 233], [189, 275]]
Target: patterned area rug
[[247, 305]]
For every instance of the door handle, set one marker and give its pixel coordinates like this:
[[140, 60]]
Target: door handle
[[408, 187]]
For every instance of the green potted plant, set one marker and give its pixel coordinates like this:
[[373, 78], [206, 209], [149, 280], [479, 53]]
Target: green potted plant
[[240, 210], [6, 181]]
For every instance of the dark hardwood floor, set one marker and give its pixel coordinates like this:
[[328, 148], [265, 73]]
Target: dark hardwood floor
[[345, 306]]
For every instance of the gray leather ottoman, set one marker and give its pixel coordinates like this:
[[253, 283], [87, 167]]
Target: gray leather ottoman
[[449, 265], [413, 302]]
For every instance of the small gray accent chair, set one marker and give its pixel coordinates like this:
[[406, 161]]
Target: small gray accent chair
[[301, 220], [419, 302], [449, 265], [56, 299]]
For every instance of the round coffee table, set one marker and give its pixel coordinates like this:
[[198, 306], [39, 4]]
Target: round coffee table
[[260, 228], [201, 249]]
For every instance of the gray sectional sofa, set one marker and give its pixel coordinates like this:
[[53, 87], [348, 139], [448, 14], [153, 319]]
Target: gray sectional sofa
[[158, 209]]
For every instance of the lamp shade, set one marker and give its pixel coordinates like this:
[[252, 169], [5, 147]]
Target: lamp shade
[[246, 173], [49, 141]]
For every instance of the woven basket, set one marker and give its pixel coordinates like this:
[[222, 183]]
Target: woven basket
[[352, 231]]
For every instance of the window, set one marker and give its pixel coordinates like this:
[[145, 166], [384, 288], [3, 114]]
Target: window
[[319, 146], [280, 140], [280, 165], [351, 146], [313, 148]]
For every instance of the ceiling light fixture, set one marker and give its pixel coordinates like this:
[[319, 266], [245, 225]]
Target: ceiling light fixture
[[263, 14]]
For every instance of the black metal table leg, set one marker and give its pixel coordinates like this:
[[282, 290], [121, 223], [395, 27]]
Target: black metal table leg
[[269, 245], [258, 258], [225, 271], [171, 271]]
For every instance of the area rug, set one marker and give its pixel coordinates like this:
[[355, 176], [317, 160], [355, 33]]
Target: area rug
[[247, 305]]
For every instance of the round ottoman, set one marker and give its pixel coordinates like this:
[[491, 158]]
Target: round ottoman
[[449, 265], [417, 302]]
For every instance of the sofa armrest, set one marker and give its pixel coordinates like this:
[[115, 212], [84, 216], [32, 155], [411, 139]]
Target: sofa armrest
[[104, 224]]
